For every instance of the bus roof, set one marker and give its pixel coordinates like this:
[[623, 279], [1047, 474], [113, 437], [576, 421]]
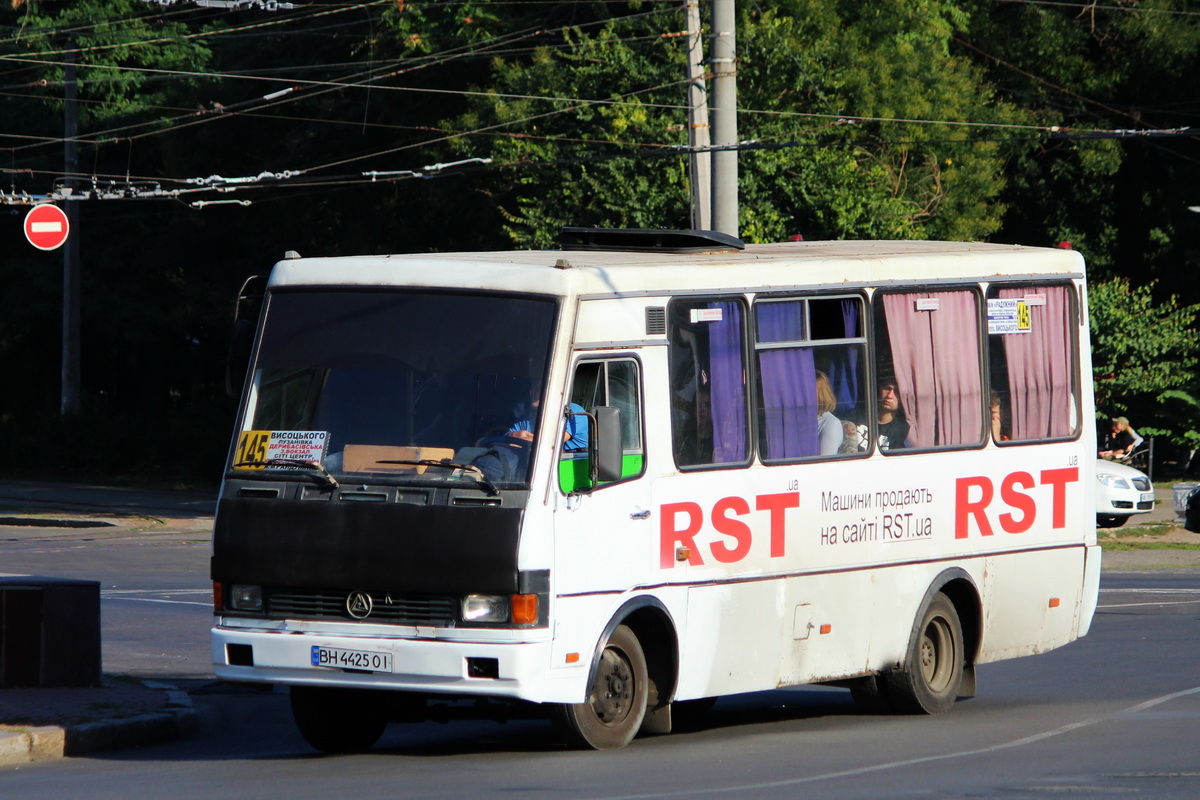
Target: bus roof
[[821, 265]]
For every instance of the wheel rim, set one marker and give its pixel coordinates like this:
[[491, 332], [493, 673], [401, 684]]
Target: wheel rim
[[937, 656], [614, 690]]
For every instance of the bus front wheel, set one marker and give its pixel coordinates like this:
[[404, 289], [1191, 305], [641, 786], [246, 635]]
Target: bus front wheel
[[929, 680], [337, 720], [616, 703]]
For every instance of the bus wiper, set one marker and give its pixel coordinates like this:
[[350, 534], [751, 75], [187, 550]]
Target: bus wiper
[[322, 475], [472, 470]]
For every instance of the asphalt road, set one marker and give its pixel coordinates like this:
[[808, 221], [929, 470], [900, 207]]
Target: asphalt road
[[1114, 714]]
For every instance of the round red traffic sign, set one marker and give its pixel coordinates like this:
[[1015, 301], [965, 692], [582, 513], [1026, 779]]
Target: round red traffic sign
[[46, 226]]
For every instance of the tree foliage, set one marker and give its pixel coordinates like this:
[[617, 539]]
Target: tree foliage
[[913, 119], [1145, 352]]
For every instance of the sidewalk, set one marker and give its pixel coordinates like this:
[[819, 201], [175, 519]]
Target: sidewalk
[[45, 723], [40, 724]]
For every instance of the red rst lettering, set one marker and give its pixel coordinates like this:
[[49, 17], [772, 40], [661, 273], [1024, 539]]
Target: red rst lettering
[[739, 530], [669, 536], [725, 519], [1019, 501], [1013, 498], [963, 506], [1059, 478], [777, 504]]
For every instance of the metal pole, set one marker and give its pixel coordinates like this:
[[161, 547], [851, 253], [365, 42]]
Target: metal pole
[[725, 166], [700, 161], [71, 281]]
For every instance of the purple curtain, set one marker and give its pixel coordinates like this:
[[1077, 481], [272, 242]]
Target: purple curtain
[[1039, 367], [843, 369], [728, 376], [789, 384], [936, 358]]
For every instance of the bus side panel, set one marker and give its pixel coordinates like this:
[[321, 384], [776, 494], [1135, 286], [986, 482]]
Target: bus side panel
[[1033, 602], [800, 630]]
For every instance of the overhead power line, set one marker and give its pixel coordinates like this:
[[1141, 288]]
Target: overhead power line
[[143, 188]]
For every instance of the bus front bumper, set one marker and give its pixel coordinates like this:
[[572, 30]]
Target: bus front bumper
[[514, 670]]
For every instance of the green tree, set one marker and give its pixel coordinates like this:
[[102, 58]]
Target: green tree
[[1103, 67], [802, 66], [1145, 352]]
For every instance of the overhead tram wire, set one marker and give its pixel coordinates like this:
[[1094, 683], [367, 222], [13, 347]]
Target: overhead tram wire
[[1139, 9], [122, 186], [329, 86], [211, 34]]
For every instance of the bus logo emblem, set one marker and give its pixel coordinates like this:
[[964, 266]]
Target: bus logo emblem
[[359, 605]]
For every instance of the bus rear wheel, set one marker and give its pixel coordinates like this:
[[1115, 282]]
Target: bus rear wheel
[[929, 680], [616, 704], [337, 720]]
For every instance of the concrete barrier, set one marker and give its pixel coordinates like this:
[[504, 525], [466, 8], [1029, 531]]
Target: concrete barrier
[[49, 632]]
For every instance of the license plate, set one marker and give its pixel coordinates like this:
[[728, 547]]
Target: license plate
[[1147, 497], [337, 658]]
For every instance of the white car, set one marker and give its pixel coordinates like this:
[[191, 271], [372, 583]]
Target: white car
[[1122, 492]]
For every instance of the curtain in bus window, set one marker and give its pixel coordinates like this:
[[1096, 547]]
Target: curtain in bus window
[[843, 369], [789, 384], [728, 395], [1039, 367], [936, 358]]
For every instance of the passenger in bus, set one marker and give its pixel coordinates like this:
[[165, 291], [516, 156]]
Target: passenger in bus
[[830, 433], [998, 426], [893, 426]]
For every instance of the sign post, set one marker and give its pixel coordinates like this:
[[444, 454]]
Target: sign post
[[46, 227]]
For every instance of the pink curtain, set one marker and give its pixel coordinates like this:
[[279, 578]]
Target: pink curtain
[[1039, 367], [935, 354]]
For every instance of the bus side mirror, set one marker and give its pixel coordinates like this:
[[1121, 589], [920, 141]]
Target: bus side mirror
[[609, 450], [238, 361], [246, 310]]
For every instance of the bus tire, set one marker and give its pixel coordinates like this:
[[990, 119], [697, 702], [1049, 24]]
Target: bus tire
[[616, 703], [928, 681], [337, 720]]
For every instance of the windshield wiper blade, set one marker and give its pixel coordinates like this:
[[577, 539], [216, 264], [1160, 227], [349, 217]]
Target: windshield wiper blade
[[322, 475], [472, 470]]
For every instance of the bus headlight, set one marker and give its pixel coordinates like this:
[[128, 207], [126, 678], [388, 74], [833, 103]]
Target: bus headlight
[[485, 608], [243, 597]]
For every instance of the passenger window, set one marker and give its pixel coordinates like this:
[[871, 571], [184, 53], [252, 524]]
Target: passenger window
[[810, 355], [928, 370], [1031, 340], [708, 382], [614, 383]]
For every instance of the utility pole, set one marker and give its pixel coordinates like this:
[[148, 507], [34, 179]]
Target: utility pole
[[724, 133], [71, 272], [700, 161]]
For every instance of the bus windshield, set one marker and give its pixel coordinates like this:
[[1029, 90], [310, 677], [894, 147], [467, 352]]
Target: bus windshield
[[397, 383]]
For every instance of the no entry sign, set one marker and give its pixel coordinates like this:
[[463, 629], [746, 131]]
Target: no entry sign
[[46, 226]]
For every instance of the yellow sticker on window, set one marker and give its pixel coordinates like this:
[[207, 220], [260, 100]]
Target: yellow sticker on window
[[251, 447]]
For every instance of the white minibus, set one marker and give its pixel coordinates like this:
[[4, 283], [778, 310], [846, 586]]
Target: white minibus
[[615, 481]]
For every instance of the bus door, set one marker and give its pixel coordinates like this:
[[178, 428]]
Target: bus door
[[604, 529]]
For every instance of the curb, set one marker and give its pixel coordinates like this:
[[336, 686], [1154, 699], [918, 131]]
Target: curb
[[176, 721]]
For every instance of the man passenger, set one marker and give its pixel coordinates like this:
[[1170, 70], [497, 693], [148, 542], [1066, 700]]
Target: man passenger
[[893, 427]]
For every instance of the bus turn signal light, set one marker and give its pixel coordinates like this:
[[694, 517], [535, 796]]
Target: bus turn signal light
[[524, 609]]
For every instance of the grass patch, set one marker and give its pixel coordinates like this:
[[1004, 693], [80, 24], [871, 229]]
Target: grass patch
[[1136, 532], [1116, 545], [1141, 537]]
